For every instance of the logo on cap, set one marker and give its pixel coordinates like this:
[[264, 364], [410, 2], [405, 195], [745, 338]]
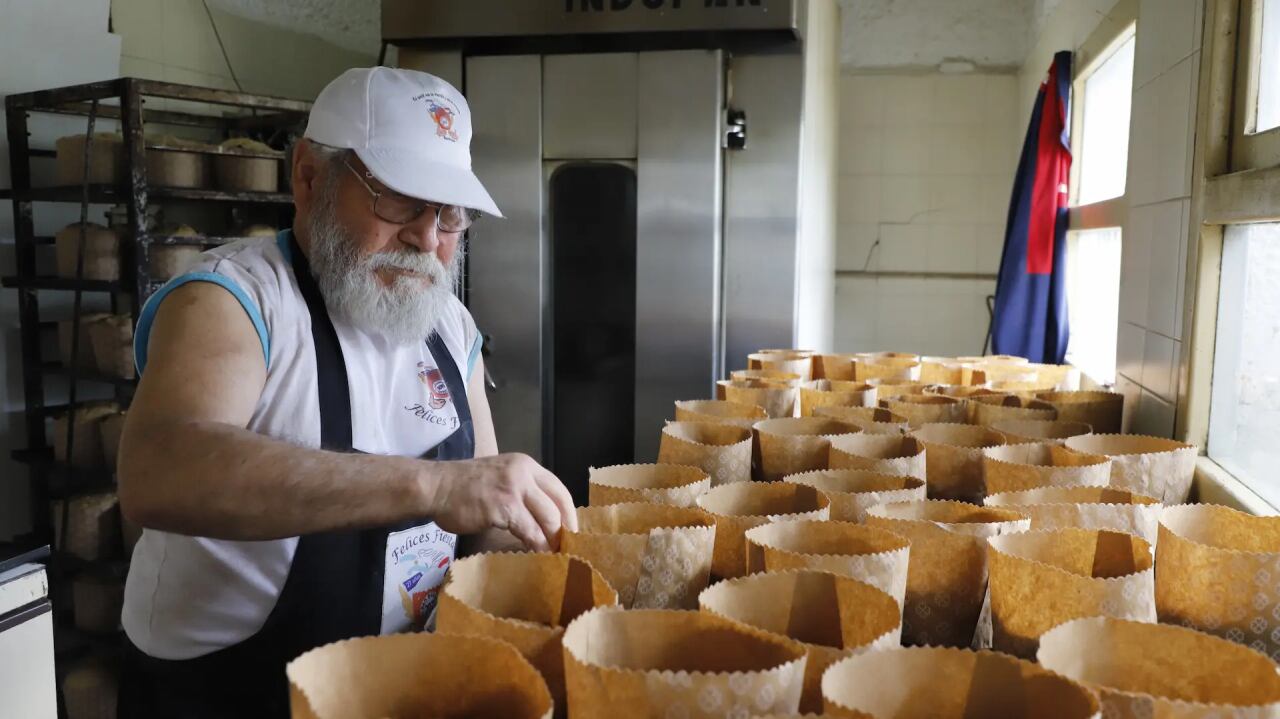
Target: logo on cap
[[442, 113]]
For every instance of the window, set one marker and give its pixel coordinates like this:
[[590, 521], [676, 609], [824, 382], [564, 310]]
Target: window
[[1104, 131], [1244, 415], [1093, 301], [1268, 107]]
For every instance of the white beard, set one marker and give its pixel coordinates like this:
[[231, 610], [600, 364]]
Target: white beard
[[404, 311]]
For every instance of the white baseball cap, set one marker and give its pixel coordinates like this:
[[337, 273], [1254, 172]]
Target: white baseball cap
[[411, 129]]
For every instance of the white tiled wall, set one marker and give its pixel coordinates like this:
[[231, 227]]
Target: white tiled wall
[[926, 167]]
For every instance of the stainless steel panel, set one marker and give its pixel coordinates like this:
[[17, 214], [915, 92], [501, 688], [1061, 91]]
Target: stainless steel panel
[[761, 200], [589, 106], [507, 270], [444, 64], [413, 19], [678, 220]]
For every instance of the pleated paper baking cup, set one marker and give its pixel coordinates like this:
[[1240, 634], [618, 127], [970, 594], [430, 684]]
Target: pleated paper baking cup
[[1158, 671], [921, 409], [1044, 578], [947, 578], [796, 362], [1064, 377], [853, 491], [1103, 411], [833, 366], [1009, 372], [953, 459], [951, 372], [890, 388], [868, 554], [1018, 467], [664, 483], [1025, 389], [872, 420], [655, 556], [991, 409], [722, 451], [941, 683], [886, 368], [659, 663], [719, 410], [1020, 431], [1218, 573], [1154, 466], [420, 674], [1117, 510], [829, 616], [885, 453], [740, 506], [797, 444], [776, 399], [822, 393], [789, 378], [525, 599]]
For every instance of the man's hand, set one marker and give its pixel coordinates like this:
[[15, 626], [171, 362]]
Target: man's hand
[[504, 491]]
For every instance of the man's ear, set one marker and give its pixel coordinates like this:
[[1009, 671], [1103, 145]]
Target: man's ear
[[304, 174]]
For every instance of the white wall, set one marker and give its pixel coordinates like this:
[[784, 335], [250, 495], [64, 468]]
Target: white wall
[[923, 33]]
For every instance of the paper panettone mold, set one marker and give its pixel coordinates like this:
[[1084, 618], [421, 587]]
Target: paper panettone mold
[[886, 368], [872, 555], [942, 683], [674, 484], [1142, 670], [921, 409], [653, 663], [1154, 466], [799, 362], [953, 459], [788, 378], [1018, 467], [524, 598], [872, 420], [894, 388], [1103, 411], [1040, 579], [777, 399], [853, 491], [829, 616], [419, 674], [1116, 510], [719, 410], [947, 578], [823, 393], [833, 366], [994, 408], [740, 506], [886, 453], [1022, 431], [1218, 572], [655, 556], [724, 452], [797, 444]]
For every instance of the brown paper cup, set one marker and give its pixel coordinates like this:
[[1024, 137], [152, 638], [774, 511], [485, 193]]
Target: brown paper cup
[[921, 409], [1218, 572], [655, 556], [427, 675], [790, 378], [1021, 431], [991, 409], [1024, 389], [950, 372], [655, 663], [1100, 410], [1064, 377], [1018, 467], [718, 410], [820, 393], [1156, 467], [836, 366], [677, 485], [884, 453], [872, 420], [740, 506], [1042, 579], [868, 554], [1084, 507], [886, 368], [940, 683], [853, 491], [797, 444], [1142, 670], [829, 616], [777, 400], [947, 578], [953, 459], [720, 450], [523, 598], [1000, 372], [796, 362]]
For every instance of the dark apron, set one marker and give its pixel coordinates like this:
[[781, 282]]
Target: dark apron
[[335, 583]]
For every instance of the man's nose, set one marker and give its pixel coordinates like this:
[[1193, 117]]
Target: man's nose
[[421, 233]]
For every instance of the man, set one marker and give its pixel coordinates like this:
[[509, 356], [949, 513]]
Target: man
[[286, 449]]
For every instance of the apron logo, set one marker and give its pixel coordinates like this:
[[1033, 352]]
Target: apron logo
[[437, 389]]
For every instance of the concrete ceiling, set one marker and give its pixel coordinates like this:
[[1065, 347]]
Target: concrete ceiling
[[884, 34], [352, 24]]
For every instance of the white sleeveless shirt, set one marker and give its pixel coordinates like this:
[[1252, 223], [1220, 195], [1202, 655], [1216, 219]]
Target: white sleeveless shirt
[[189, 596]]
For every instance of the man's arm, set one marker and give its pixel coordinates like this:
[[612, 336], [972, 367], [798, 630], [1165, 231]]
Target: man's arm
[[188, 465]]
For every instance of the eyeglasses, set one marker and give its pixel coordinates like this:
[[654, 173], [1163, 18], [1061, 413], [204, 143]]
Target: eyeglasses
[[401, 210]]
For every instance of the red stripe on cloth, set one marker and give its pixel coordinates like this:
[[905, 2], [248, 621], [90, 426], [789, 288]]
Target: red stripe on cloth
[[1049, 190]]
